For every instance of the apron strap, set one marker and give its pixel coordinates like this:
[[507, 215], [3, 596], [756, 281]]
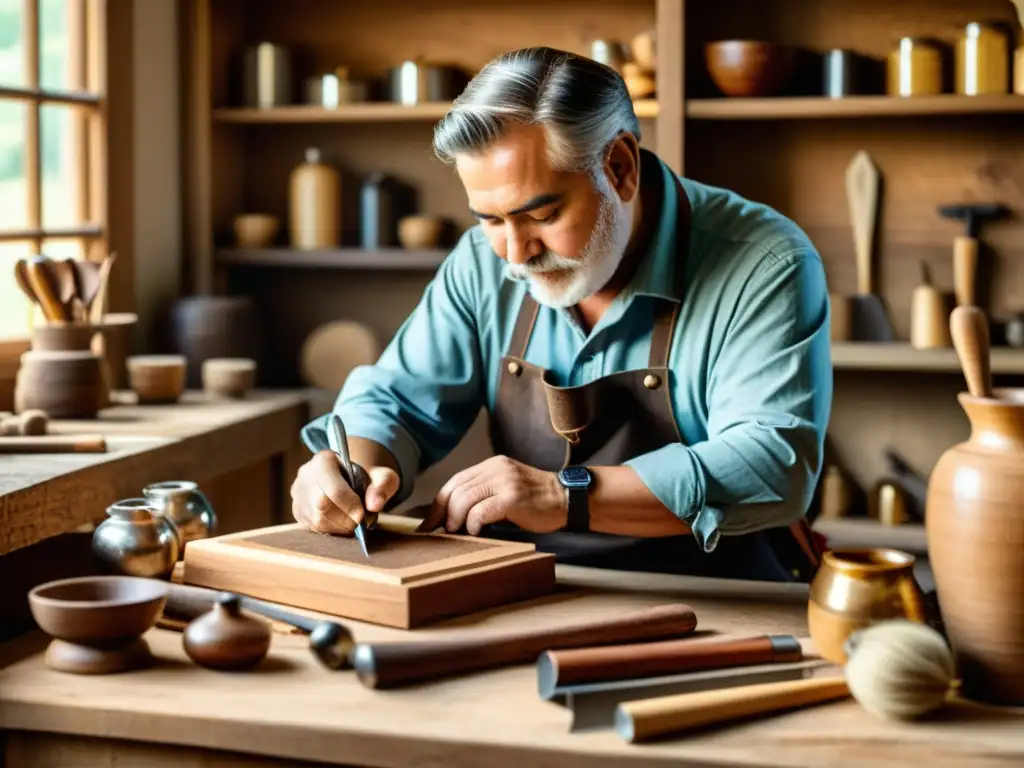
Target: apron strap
[[525, 321]]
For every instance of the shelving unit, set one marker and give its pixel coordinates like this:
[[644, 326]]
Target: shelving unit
[[787, 151]]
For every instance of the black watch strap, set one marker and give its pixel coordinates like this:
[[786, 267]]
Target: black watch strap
[[578, 520]]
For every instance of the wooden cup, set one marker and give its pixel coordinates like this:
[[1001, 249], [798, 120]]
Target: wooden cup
[[229, 377], [157, 379]]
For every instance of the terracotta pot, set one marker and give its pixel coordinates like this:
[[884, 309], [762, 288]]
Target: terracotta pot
[[856, 588], [975, 530]]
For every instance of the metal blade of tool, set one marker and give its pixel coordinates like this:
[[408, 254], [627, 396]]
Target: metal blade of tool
[[339, 444]]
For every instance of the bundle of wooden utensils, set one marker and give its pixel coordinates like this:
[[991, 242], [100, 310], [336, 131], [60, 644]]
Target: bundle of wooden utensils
[[64, 374]]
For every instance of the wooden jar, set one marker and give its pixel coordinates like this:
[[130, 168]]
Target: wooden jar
[[66, 384]]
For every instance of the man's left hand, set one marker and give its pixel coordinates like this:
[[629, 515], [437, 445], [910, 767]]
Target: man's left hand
[[498, 489]]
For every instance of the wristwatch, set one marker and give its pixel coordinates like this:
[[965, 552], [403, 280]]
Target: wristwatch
[[577, 481]]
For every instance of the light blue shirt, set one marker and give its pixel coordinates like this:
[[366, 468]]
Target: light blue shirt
[[751, 373]]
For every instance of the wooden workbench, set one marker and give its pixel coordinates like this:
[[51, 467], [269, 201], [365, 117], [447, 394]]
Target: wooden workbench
[[294, 710]]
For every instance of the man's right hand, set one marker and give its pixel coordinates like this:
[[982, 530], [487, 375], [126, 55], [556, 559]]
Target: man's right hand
[[323, 502]]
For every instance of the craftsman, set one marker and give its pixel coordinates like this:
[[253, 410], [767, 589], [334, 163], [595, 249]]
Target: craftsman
[[653, 352]]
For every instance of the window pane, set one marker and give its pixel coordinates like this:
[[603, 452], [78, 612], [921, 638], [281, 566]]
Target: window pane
[[70, 248], [15, 308], [60, 166], [13, 190], [53, 43], [12, 71]]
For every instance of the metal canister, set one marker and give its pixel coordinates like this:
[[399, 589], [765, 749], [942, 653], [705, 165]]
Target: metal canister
[[266, 76], [840, 76], [914, 68], [982, 60]]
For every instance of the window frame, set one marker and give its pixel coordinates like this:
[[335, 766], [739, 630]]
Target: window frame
[[87, 96]]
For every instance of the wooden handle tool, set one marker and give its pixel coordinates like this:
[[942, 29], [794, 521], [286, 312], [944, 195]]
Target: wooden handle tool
[[648, 719], [969, 328], [46, 291], [965, 269], [388, 665], [54, 444], [621, 662], [862, 183]]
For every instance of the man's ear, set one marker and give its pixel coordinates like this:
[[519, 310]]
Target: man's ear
[[622, 166]]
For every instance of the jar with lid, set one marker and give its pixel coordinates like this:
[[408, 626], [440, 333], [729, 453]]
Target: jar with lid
[[914, 68], [982, 60], [315, 203]]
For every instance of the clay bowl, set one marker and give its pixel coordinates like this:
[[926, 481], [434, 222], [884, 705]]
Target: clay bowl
[[255, 230], [855, 588], [157, 379], [415, 232], [749, 68], [97, 622], [229, 377]]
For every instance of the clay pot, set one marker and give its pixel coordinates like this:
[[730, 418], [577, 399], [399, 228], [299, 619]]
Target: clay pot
[[225, 638], [256, 230], [230, 378], [63, 336], [204, 327], [749, 68], [66, 385], [856, 588], [975, 531], [420, 232]]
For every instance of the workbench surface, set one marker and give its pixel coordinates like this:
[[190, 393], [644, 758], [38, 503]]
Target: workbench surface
[[45, 495], [292, 709]]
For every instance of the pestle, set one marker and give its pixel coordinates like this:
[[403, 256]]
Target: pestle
[[969, 329]]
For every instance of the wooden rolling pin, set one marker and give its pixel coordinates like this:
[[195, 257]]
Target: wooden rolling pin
[[647, 719], [622, 662], [54, 444], [388, 665]]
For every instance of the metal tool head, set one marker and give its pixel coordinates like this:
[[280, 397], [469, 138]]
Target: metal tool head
[[332, 644], [354, 475], [972, 214]]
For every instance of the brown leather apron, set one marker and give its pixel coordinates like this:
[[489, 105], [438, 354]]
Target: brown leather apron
[[608, 422]]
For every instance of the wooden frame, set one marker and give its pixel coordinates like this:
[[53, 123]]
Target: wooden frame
[[85, 95], [498, 572]]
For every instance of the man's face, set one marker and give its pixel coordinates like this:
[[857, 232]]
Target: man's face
[[564, 232]]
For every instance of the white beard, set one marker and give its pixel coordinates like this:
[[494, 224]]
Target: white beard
[[588, 274]]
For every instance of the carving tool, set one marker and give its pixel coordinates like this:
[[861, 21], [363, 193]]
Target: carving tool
[[339, 444], [573, 666], [388, 665], [869, 320], [329, 641], [966, 247]]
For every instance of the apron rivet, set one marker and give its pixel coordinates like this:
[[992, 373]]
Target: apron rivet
[[651, 381], [515, 369]]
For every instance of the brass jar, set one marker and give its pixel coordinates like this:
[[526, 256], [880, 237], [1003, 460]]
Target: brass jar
[[982, 61], [856, 588], [914, 68]]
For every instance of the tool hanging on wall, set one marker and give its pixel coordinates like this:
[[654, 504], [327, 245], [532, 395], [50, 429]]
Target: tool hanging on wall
[[869, 320], [966, 247]]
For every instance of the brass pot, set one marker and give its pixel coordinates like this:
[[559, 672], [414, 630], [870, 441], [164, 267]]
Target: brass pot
[[856, 588]]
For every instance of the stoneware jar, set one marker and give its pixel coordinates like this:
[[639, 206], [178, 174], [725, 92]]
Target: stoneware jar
[[975, 530], [856, 588], [226, 638], [136, 540], [181, 502]]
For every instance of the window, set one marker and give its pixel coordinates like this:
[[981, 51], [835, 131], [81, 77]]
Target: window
[[52, 141]]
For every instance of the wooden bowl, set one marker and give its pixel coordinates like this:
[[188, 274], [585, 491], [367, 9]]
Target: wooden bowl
[[230, 377], [157, 379], [416, 232], [749, 68], [97, 622], [255, 230]]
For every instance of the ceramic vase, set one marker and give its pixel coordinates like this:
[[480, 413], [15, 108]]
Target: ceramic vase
[[975, 531]]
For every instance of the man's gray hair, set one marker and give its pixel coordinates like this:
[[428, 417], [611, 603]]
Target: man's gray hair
[[582, 104]]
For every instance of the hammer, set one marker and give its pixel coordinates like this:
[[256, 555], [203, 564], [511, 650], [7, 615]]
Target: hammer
[[329, 641], [965, 246]]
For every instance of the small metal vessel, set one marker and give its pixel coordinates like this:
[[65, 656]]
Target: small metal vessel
[[137, 540], [181, 502]]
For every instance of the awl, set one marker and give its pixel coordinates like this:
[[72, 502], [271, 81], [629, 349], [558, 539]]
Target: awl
[[338, 439]]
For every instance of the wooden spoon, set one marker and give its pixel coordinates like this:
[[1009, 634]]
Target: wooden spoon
[[969, 329], [97, 306], [21, 276], [63, 276], [47, 292]]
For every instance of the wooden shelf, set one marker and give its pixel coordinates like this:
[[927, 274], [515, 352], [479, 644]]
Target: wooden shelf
[[343, 258], [364, 113], [900, 356], [854, 106]]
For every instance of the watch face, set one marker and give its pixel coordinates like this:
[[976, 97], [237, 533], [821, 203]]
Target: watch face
[[578, 477]]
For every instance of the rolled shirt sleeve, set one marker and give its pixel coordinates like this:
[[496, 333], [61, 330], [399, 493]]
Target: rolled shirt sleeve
[[425, 391], [769, 395]]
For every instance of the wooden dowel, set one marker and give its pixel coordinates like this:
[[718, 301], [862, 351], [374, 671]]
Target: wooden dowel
[[54, 444]]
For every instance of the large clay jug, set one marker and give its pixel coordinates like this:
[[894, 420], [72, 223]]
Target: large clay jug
[[975, 527]]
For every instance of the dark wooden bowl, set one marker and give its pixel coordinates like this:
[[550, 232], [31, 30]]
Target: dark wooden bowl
[[98, 610], [749, 68]]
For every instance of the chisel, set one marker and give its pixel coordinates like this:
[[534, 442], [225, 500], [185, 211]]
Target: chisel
[[338, 439]]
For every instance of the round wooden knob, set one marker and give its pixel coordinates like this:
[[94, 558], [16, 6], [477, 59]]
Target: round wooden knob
[[225, 638]]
